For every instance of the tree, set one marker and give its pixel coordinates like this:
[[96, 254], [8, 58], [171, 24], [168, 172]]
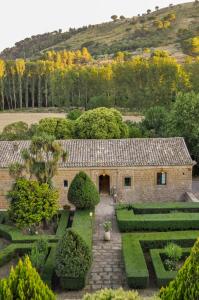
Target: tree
[[31, 203], [148, 11], [186, 284], [24, 283], [2, 74], [73, 258], [101, 123], [20, 69], [15, 131], [41, 159], [60, 128], [114, 18], [83, 192], [122, 18], [157, 8], [183, 120], [134, 130], [155, 121]]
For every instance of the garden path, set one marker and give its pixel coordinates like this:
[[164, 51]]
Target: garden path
[[107, 269]]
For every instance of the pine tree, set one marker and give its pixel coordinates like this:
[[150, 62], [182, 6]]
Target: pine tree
[[24, 283]]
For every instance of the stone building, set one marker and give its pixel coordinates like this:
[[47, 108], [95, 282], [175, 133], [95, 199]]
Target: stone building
[[157, 169]]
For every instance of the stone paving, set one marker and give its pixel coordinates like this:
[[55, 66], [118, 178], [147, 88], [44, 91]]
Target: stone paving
[[107, 269]]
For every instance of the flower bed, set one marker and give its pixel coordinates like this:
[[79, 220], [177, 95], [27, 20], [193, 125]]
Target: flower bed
[[163, 276]]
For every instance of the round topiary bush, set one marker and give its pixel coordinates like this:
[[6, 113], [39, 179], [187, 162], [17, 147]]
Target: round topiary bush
[[83, 192], [73, 260]]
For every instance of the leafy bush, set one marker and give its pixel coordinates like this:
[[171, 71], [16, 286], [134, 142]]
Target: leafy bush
[[186, 284], [83, 192], [38, 254], [74, 114], [108, 294], [32, 202], [163, 275], [73, 258], [173, 253], [24, 283]]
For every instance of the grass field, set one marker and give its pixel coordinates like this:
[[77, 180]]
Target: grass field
[[31, 118]]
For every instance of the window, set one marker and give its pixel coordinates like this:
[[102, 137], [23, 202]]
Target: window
[[161, 178], [65, 183], [127, 181]]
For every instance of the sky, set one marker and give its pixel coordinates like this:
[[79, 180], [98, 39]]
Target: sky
[[23, 18]]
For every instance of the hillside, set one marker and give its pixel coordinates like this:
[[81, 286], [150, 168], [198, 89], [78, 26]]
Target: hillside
[[167, 28]]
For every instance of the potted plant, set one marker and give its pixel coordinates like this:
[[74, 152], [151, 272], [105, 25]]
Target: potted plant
[[107, 230]]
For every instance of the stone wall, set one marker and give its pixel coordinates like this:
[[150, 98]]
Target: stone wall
[[144, 183]]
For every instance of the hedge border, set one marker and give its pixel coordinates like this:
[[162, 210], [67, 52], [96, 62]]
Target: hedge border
[[133, 245], [159, 207], [128, 221], [14, 234], [163, 277]]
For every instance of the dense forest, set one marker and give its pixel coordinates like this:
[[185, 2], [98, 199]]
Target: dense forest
[[74, 79]]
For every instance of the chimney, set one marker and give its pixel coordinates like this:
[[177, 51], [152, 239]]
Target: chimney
[[15, 147]]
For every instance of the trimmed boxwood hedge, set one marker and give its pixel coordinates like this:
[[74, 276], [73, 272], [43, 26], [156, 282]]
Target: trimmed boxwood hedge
[[134, 261], [160, 207], [128, 221], [133, 245], [49, 267], [163, 277]]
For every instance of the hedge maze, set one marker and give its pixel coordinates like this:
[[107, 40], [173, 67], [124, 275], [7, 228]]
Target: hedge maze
[[21, 244], [149, 229]]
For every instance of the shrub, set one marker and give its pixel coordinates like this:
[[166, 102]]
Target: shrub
[[58, 127], [73, 260], [74, 114], [186, 284], [108, 294], [38, 254], [163, 276], [173, 253], [15, 131], [32, 202], [101, 123], [83, 192], [24, 283]]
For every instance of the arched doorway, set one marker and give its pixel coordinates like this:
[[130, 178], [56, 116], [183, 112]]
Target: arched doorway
[[104, 184]]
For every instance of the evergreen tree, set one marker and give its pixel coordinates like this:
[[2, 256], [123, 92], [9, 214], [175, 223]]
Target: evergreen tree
[[24, 283]]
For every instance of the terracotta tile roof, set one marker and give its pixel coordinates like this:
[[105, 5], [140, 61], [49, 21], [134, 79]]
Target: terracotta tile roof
[[110, 153]]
